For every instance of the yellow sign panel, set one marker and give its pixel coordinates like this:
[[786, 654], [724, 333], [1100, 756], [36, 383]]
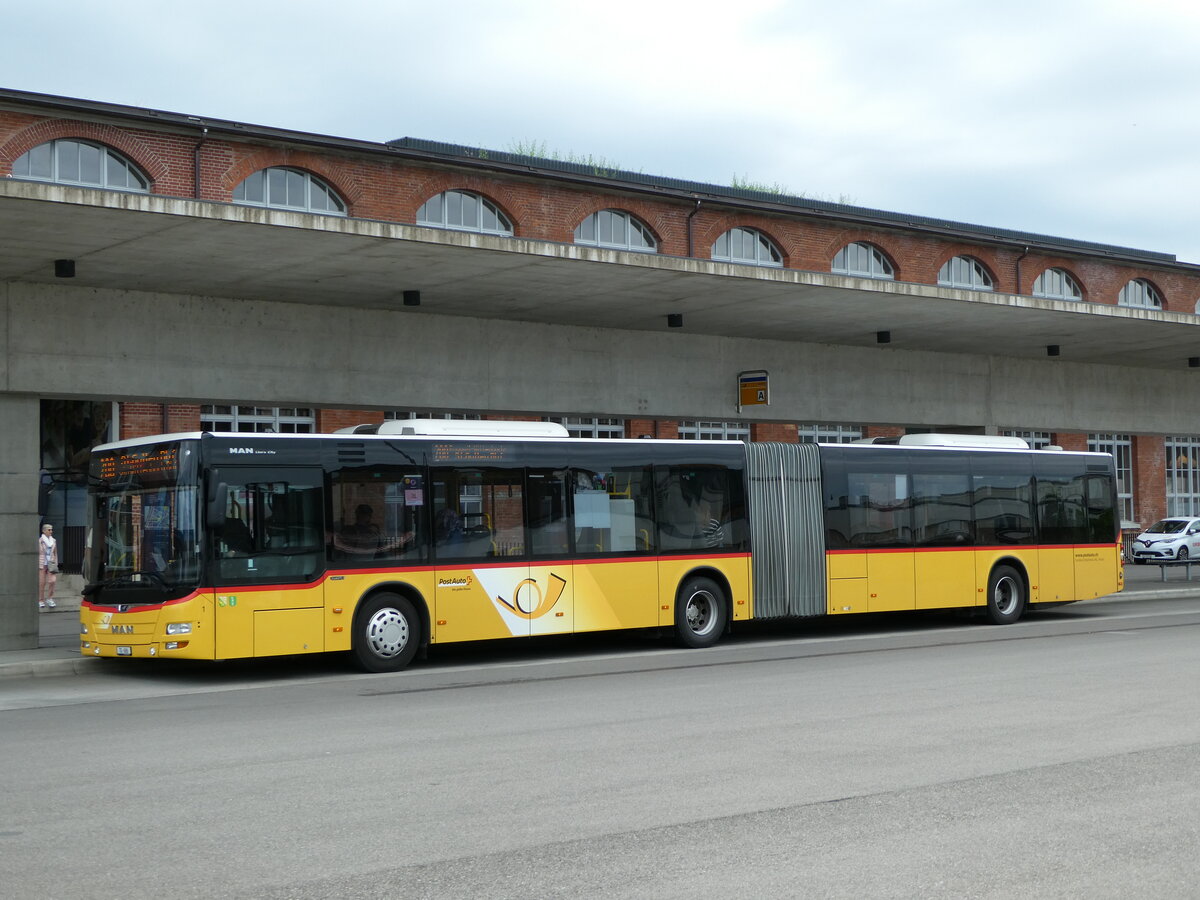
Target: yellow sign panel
[[752, 389]]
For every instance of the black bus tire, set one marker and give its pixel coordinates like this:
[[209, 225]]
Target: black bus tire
[[387, 631], [700, 612], [1005, 596]]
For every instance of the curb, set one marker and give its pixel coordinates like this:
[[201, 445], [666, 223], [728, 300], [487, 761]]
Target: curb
[[49, 662], [44, 668]]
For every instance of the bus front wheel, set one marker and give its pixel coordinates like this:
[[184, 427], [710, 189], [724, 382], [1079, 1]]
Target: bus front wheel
[[700, 613], [386, 633], [1005, 596]]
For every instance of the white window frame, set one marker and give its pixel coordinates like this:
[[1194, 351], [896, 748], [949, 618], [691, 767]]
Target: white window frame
[[696, 430], [425, 215], [261, 419], [1057, 284], [1182, 473], [1140, 294], [636, 234], [965, 272], [828, 434], [397, 414], [312, 186], [590, 426], [863, 260], [1121, 448], [765, 252], [1037, 440], [108, 156]]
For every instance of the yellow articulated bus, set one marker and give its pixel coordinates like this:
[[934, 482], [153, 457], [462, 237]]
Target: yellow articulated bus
[[385, 540]]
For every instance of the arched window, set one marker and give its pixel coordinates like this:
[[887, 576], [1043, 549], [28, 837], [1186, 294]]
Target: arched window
[[862, 259], [282, 188], [1140, 293], [615, 229], [67, 161], [1057, 284], [748, 246], [965, 272], [464, 211]]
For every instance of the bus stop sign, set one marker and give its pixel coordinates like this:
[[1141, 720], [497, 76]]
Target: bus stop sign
[[752, 389]]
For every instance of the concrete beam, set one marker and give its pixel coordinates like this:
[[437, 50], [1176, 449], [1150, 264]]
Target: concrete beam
[[88, 342]]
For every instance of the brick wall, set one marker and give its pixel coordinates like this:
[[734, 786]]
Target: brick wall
[[376, 187]]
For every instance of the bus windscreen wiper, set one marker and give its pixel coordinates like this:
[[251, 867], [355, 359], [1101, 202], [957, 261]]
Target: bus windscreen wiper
[[90, 589]]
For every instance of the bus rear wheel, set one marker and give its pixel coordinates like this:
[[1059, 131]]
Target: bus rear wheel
[[387, 630], [1005, 596], [700, 613]]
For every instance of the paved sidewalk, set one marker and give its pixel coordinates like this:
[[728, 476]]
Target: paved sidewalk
[[58, 645]]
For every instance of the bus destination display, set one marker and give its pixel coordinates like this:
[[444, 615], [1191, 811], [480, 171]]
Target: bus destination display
[[156, 461]]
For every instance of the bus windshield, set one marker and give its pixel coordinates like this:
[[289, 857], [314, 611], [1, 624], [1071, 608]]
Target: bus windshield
[[145, 528]]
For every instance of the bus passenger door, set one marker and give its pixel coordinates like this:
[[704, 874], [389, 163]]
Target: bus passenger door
[[547, 596], [268, 558]]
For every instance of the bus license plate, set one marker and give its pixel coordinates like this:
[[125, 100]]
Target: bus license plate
[[124, 651]]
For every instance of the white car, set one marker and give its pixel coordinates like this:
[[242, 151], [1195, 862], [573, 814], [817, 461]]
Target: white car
[[1174, 538]]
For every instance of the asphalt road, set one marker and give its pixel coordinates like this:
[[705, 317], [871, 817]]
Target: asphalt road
[[887, 757]]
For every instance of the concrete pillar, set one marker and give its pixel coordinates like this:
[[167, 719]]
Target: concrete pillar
[[20, 419]]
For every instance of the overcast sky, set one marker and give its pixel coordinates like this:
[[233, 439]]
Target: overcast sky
[[1074, 118]]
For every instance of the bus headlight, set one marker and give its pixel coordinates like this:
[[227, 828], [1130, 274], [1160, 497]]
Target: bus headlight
[[82, 628], [179, 628]]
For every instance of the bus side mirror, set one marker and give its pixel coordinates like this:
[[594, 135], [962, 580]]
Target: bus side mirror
[[215, 513]]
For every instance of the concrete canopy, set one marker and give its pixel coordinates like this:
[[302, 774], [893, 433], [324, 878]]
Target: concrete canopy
[[161, 244]]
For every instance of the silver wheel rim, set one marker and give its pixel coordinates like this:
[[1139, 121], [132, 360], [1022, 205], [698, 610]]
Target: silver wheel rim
[[387, 633], [1183, 554], [1006, 595], [700, 613]]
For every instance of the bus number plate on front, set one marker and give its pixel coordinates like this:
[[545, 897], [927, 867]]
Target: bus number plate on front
[[124, 651]]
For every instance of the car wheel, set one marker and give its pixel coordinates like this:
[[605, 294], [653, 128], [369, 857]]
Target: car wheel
[[1182, 555], [387, 631], [700, 611], [1005, 596]]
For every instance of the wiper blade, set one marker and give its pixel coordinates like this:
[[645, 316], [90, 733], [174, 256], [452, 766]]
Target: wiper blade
[[92, 588]]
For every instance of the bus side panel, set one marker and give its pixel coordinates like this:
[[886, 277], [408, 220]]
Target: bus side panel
[[1056, 575], [477, 603], [616, 594], [846, 582], [344, 590], [673, 570], [1097, 571], [237, 626], [891, 580], [945, 578], [987, 559]]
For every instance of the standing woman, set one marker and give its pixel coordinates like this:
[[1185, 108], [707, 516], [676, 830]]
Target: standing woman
[[47, 567]]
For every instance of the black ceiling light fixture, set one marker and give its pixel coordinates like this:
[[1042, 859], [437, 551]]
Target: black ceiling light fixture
[[412, 298], [64, 268], [675, 320]]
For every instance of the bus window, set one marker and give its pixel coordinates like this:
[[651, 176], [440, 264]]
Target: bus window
[[478, 513], [1003, 500], [1062, 515], [1101, 509], [698, 508], [272, 525], [378, 514], [878, 504], [613, 509], [941, 501], [548, 512]]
